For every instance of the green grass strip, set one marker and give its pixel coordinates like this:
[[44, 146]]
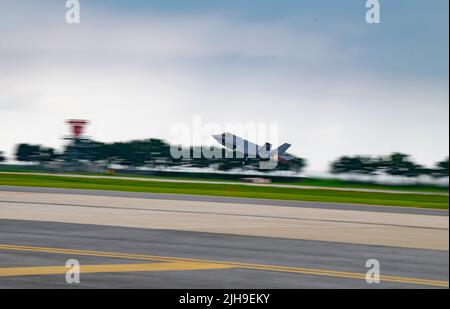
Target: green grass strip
[[231, 190]]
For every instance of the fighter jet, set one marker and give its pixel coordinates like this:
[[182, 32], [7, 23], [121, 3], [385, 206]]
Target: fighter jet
[[247, 149]]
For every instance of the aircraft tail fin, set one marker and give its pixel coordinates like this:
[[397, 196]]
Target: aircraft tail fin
[[280, 152], [282, 149]]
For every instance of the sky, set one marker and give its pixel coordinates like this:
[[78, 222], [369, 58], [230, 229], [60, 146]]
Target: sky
[[332, 83]]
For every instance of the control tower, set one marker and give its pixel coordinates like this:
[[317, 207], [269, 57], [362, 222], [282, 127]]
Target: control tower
[[80, 146], [77, 127]]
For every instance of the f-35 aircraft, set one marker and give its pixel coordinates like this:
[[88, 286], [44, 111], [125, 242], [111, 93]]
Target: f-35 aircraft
[[247, 149]]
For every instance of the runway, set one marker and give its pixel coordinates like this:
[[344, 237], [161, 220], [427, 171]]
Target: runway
[[167, 242], [232, 200]]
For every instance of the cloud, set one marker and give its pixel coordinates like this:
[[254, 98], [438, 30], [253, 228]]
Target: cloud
[[134, 77], [137, 40], [19, 101]]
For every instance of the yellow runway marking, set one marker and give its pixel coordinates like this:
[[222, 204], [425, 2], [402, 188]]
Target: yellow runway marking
[[204, 264], [108, 268]]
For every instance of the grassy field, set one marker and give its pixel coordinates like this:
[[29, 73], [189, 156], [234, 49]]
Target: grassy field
[[231, 190], [316, 182], [369, 185], [217, 177]]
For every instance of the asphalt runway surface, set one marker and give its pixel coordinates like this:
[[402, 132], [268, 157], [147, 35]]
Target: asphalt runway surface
[[233, 200], [126, 240]]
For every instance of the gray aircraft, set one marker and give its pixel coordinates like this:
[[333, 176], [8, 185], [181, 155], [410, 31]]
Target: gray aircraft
[[246, 149]]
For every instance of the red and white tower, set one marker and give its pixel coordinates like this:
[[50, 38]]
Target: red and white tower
[[77, 127]]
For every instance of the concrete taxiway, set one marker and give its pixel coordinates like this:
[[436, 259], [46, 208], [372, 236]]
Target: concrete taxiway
[[167, 241]]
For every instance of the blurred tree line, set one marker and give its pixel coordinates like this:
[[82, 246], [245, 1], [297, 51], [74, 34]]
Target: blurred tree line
[[139, 153], [156, 153], [396, 164]]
